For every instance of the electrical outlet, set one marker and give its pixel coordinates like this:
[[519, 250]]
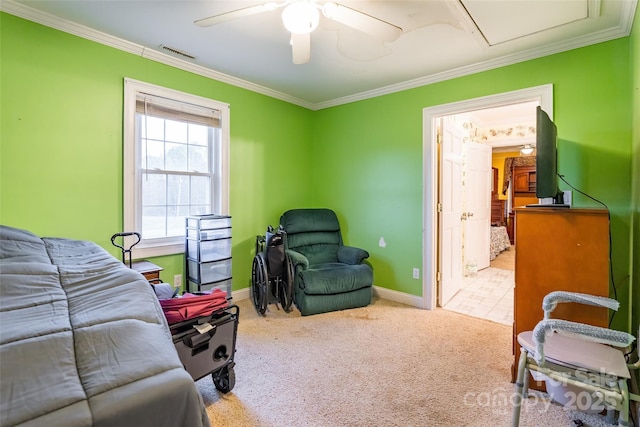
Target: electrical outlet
[[568, 198], [177, 280], [416, 273]]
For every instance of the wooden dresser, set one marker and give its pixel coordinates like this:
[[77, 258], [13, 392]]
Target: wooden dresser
[[497, 205], [497, 212], [559, 249]]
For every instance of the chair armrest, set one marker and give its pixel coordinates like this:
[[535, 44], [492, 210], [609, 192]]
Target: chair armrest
[[351, 255], [551, 300], [578, 330], [297, 259]]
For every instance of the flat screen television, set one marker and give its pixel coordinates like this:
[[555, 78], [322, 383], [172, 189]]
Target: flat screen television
[[547, 161]]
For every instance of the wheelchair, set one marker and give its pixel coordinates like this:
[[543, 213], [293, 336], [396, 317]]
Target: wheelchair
[[271, 274]]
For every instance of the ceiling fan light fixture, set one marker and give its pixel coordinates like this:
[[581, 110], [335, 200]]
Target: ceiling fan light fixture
[[526, 150], [329, 9], [300, 17]]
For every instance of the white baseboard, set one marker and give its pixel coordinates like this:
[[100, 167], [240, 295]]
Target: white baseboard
[[396, 296], [391, 295], [241, 294]]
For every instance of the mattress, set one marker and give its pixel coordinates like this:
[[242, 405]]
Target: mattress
[[499, 241], [83, 341]]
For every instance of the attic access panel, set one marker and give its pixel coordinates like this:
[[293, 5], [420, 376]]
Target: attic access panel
[[503, 21]]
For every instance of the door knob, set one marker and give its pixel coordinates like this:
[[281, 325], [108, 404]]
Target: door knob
[[463, 217], [469, 214]]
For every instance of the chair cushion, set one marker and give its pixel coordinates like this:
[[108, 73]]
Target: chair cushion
[[579, 353], [305, 220], [315, 304], [335, 278], [315, 233], [319, 253]]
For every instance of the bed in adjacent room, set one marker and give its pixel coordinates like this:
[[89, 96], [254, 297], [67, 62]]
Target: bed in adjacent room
[[499, 241], [84, 341]]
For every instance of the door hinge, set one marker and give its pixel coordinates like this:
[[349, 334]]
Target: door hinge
[[439, 207], [439, 136], [438, 277]]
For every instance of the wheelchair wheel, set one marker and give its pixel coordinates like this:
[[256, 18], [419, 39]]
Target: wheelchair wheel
[[259, 284], [286, 288]]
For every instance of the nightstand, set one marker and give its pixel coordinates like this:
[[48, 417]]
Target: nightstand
[[149, 270]]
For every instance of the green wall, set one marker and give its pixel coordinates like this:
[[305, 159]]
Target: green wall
[[372, 152], [61, 147], [61, 141], [635, 255]]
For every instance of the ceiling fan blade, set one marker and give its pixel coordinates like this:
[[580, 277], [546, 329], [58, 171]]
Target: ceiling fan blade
[[361, 21], [301, 48], [234, 14]]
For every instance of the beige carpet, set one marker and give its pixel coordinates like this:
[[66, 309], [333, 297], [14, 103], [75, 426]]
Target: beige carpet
[[383, 365]]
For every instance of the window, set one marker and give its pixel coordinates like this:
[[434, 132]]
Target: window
[[175, 163]]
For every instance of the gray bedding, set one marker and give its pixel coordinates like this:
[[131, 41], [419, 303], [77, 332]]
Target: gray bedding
[[83, 341]]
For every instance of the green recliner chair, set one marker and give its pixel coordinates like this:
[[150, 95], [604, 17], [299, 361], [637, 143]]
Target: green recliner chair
[[327, 276]]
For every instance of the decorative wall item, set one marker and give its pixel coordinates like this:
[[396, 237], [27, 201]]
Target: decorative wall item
[[499, 133]]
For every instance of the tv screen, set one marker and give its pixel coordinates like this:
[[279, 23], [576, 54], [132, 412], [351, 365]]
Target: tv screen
[[546, 157]]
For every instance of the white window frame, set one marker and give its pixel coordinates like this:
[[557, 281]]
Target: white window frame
[[132, 190]]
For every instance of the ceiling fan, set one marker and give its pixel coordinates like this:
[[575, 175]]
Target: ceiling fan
[[301, 17]]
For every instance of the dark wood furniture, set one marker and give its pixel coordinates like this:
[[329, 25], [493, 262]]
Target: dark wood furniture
[[497, 212], [494, 183], [497, 205], [524, 179], [149, 270], [523, 186], [511, 219], [559, 249]]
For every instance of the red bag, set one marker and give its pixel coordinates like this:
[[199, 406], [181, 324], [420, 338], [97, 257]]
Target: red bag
[[191, 306]]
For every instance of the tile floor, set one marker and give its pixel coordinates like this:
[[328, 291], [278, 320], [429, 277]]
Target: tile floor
[[488, 295]]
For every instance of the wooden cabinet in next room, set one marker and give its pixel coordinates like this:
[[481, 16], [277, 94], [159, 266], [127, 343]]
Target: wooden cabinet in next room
[[524, 179]]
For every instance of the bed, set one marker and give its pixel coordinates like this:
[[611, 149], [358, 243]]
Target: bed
[[499, 241], [83, 341]]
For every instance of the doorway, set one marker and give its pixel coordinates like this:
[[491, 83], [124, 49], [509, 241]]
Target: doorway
[[433, 257]]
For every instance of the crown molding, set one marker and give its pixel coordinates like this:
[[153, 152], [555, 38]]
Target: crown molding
[[627, 14], [623, 30], [73, 28]]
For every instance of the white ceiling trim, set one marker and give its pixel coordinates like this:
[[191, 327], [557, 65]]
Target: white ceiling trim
[[627, 13], [52, 21]]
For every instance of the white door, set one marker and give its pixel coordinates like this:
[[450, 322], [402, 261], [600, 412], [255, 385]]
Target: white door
[[477, 184], [451, 199]]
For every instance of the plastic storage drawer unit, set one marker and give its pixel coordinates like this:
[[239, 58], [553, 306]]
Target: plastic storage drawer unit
[[208, 253]]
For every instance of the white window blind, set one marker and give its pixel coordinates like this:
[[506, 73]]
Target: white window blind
[[176, 163]]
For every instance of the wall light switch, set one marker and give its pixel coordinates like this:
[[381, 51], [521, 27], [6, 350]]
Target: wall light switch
[[416, 273]]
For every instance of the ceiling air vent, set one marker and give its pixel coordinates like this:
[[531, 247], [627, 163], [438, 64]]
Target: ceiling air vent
[[176, 52]]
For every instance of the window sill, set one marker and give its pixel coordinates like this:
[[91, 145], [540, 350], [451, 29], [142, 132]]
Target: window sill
[[155, 251]]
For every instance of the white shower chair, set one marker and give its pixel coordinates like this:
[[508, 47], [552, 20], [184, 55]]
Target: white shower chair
[[582, 368]]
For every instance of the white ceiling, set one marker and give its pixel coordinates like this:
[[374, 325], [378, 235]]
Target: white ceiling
[[441, 39]]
